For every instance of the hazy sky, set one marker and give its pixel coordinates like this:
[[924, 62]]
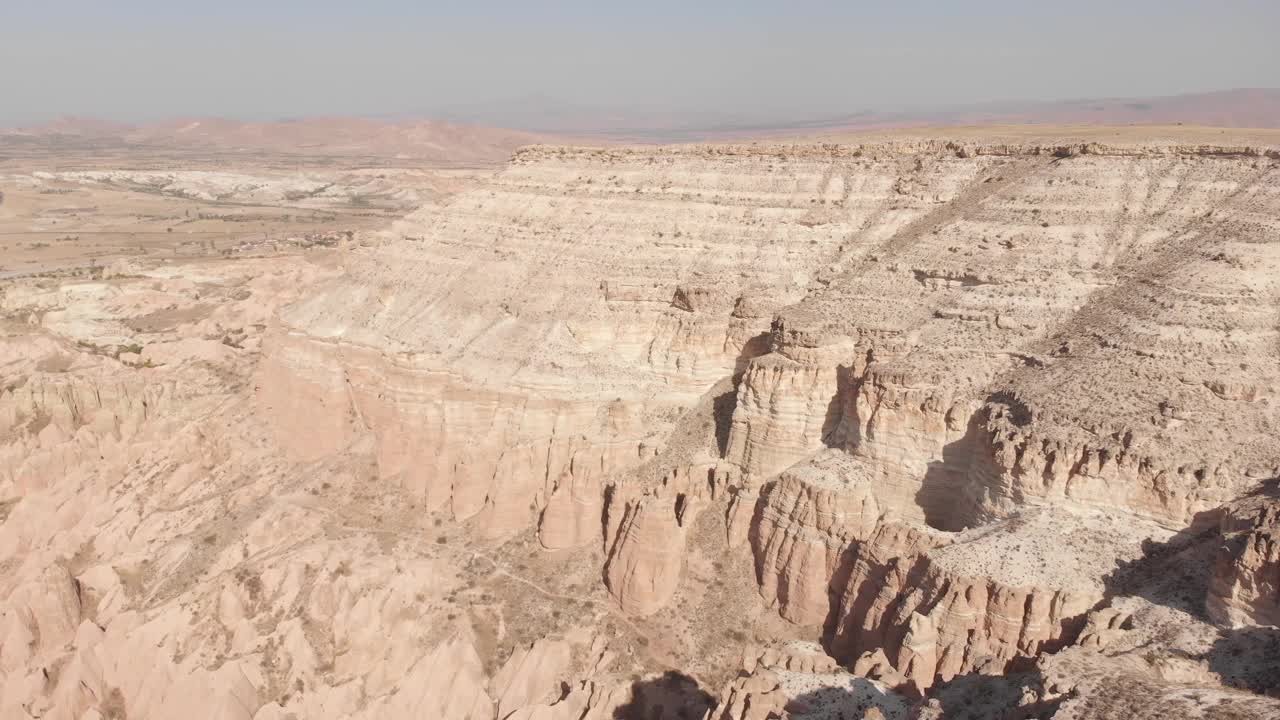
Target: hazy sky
[[150, 59]]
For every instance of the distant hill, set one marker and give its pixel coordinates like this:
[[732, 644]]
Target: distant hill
[[474, 134], [419, 139], [540, 113], [1252, 108]]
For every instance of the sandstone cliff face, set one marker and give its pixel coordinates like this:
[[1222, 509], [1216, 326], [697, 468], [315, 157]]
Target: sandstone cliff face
[[808, 524], [1199, 341], [164, 559], [945, 338], [982, 598], [912, 430], [571, 516], [1245, 589], [675, 301], [647, 553], [799, 681], [917, 289], [784, 410], [38, 618], [977, 346], [880, 568], [757, 696], [943, 408], [938, 604], [531, 674]]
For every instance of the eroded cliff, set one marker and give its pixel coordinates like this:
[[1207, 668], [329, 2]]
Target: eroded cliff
[[973, 418]]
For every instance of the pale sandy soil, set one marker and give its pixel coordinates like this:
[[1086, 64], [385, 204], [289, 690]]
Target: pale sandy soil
[[65, 211]]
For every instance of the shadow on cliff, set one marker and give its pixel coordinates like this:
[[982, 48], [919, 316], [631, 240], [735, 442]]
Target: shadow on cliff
[[754, 540], [943, 493], [1177, 573], [724, 404], [1174, 573], [671, 696], [1016, 696], [847, 703], [1248, 659], [836, 431], [946, 492]]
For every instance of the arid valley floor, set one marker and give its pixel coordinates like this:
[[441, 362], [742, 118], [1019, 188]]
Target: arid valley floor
[[974, 423]]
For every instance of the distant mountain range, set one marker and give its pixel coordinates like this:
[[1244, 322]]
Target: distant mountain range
[[1246, 108], [429, 140], [472, 134]]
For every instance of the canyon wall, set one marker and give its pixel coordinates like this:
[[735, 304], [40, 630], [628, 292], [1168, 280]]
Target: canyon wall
[[922, 354], [919, 338], [906, 429], [1245, 589]]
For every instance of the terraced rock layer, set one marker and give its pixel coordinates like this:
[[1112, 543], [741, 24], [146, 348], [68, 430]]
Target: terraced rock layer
[[939, 334], [978, 419]]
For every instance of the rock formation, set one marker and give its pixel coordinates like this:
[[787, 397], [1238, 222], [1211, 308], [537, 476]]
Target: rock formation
[[985, 426], [1245, 589]]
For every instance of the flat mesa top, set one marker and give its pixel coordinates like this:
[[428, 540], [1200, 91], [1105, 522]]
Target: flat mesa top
[[1005, 137], [1049, 547], [1040, 134]]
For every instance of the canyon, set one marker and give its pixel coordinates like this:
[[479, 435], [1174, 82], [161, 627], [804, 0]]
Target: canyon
[[922, 426]]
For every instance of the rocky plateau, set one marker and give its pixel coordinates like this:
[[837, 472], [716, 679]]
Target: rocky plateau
[[915, 428]]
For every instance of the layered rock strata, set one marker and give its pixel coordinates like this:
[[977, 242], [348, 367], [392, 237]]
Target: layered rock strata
[[1245, 589], [815, 522], [1005, 591], [647, 554], [950, 404]]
